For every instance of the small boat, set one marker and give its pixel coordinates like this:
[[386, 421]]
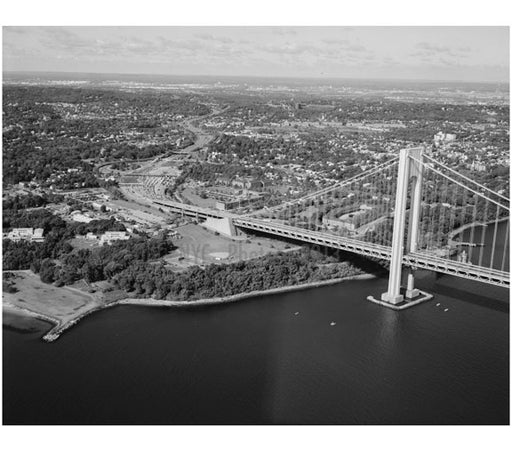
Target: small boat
[[296, 313], [445, 309], [438, 304], [333, 323]]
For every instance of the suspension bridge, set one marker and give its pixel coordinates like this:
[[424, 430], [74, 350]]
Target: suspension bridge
[[412, 211]]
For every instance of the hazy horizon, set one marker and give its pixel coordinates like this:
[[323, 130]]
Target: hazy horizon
[[258, 77]]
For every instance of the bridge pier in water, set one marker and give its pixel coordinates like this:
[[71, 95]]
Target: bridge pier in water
[[410, 172]]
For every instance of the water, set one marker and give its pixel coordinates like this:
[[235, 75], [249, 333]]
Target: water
[[256, 362], [482, 256]]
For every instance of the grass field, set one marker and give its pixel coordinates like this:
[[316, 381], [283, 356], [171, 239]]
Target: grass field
[[83, 243], [197, 200], [61, 303]]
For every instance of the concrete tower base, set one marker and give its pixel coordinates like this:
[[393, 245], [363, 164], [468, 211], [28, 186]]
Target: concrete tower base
[[404, 303], [392, 299]]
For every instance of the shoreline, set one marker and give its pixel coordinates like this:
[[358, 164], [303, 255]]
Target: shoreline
[[25, 312], [239, 296], [461, 229], [60, 326]]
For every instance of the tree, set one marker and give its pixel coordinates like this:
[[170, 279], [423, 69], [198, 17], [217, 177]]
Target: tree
[[47, 271]]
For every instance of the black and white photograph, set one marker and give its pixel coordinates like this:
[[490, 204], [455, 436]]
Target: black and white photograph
[[229, 224]]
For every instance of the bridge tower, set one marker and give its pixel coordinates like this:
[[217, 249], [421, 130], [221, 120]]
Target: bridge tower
[[410, 173]]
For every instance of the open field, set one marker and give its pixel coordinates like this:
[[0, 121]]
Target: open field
[[194, 199], [84, 243], [59, 305], [203, 246]]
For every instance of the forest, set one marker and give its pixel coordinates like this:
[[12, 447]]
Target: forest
[[271, 271], [135, 265], [55, 260]]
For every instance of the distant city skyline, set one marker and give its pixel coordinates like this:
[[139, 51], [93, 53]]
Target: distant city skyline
[[415, 53]]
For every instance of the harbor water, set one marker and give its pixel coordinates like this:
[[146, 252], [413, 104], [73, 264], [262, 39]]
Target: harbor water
[[273, 360]]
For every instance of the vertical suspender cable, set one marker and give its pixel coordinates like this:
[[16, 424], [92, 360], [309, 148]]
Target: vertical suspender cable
[[484, 232], [505, 253], [473, 221], [442, 211], [433, 205], [491, 263], [453, 208]]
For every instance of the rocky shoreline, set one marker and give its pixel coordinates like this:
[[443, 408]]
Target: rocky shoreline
[[60, 326]]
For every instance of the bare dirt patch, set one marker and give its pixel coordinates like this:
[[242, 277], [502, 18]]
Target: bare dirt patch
[[201, 246]]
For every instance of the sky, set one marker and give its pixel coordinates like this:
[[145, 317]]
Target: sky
[[417, 53]]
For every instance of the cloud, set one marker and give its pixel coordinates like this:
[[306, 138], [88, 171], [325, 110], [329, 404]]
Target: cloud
[[389, 60], [204, 36], [61, 39], [284, 31], [16, 30], [429, 51], [345, 45], [288, 48], [61, 42], [211, 38], [464, 49], [432, 48], [337, 42]]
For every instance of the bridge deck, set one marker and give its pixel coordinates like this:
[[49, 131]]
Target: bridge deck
[[416, 260], [193, 210]]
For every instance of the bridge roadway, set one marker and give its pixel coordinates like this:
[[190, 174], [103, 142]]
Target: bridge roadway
[[193, 210], [416, 260], [143, 174]]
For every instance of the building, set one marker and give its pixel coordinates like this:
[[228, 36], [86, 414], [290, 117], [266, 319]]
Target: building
[[174, 234], [98, 205], [37, 236], [247, 183], [350, 220], [478, 166], [443, 138], [238, 202], [78, 216], [109, 237], [338, 223], [28, 234]]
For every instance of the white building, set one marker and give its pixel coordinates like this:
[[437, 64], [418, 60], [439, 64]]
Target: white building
[[98, 205], [443, 138], [80, 217], [29, 234], [478, 166], [109, 237]]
